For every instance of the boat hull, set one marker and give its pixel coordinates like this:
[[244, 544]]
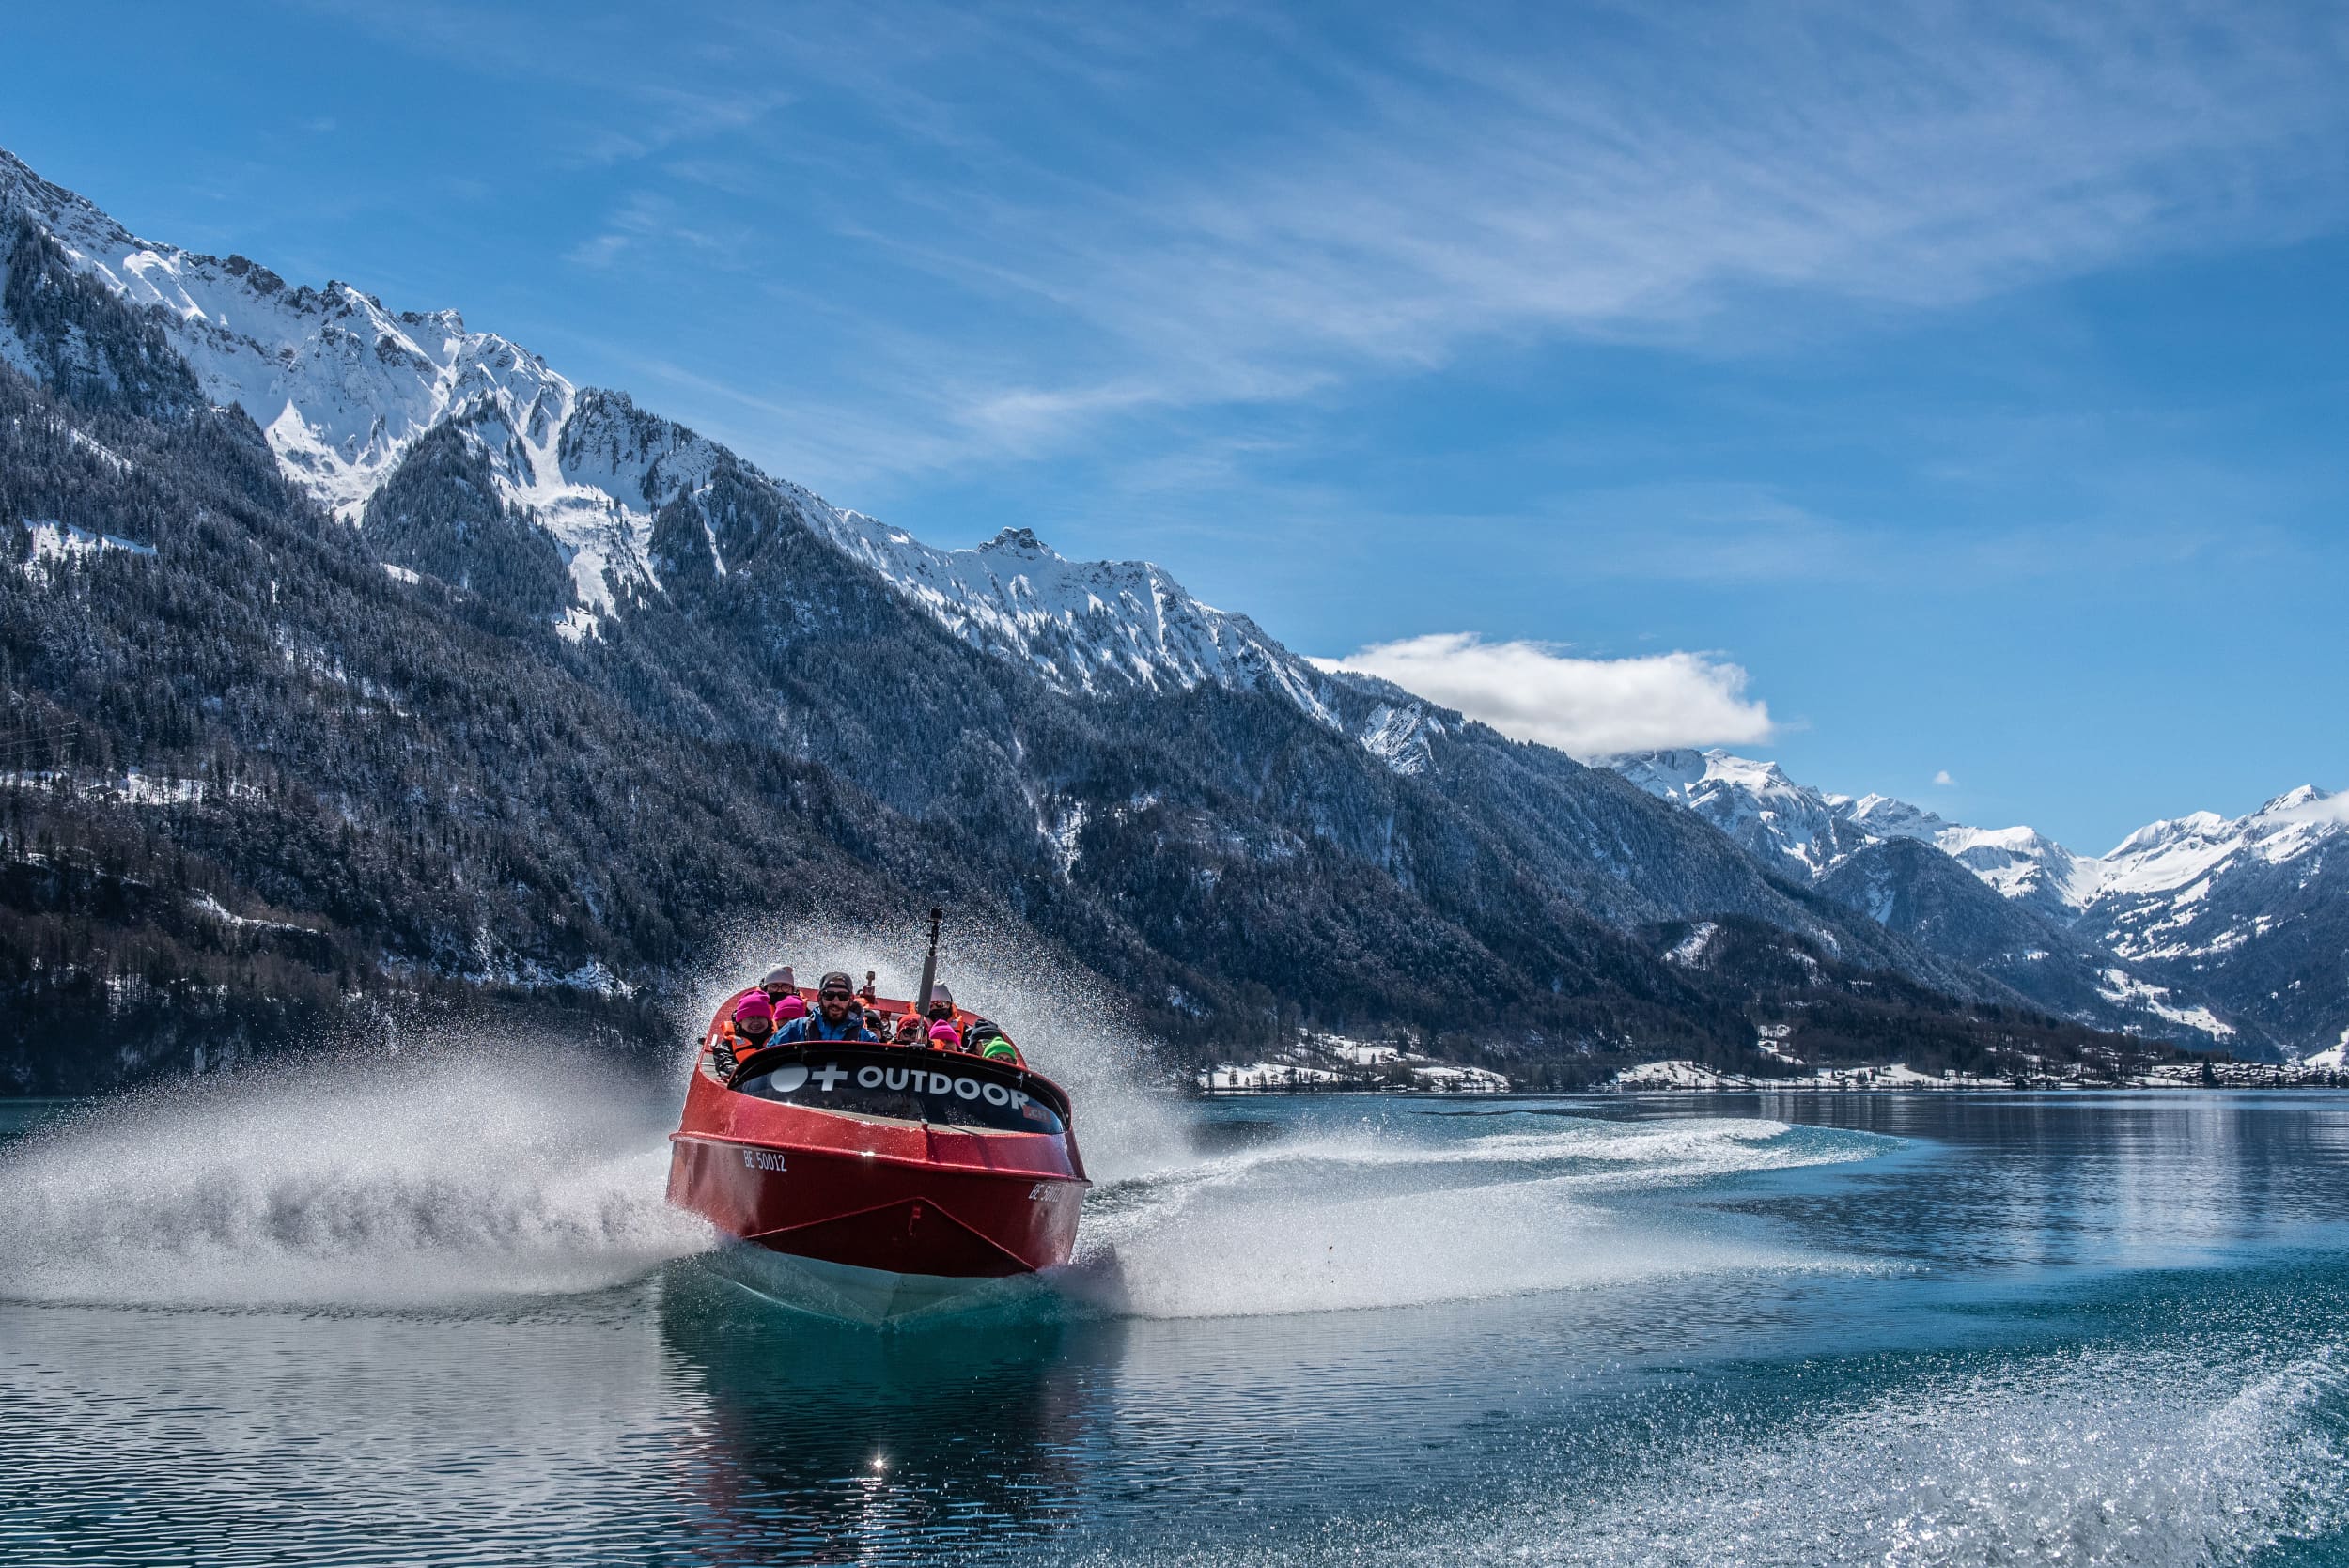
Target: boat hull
[[898, 1178], [870, 1210], [845, 1291]]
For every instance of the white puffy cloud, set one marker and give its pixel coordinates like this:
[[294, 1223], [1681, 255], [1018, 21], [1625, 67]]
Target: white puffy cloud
[[1586, 707], [1943, 777], [2314, 808]]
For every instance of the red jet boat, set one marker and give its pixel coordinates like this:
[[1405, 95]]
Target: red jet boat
[[871, 1181]]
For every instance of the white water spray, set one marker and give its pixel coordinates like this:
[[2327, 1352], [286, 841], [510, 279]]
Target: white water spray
[[436, 1178]]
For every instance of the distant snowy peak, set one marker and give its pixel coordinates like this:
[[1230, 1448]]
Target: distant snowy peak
[[1753, 802], [1882, 817], [2021, 862], [1085, 626], [1813, 833], [2202, 889], [2025, 865], [2204, 921], [2163, 857]]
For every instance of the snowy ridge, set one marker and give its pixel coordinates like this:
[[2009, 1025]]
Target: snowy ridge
[[1788, 826], [1758, 804], [1810, 832], [2168, 906], [1085, 626], [343, 388], [2020, 863], [2163, 857], [2170, 891]]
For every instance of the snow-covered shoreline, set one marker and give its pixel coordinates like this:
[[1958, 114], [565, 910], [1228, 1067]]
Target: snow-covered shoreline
[[1332, 1064], [1687, 1077]]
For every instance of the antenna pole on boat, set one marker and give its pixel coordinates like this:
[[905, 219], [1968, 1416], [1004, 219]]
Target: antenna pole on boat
[[930, 965]]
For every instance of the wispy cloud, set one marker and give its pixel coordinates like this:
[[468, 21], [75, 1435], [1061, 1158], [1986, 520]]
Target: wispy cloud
[[601, 250], [644, 220], [1043, 221], [1649, 173], [1587, 707], [1099, 212]]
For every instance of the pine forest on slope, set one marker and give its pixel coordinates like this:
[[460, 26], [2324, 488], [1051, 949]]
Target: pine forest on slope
[[356, 662]]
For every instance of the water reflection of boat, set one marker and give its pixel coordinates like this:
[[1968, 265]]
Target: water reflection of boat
[[823, 1442], [870, 1181]]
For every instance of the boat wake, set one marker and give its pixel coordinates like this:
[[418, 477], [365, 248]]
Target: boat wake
[[437, 1179], [1410, 1212], [2157, 1456], [2188, 1450]]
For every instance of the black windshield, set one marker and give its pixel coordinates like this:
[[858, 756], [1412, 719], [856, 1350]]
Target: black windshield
[[913, 1086]]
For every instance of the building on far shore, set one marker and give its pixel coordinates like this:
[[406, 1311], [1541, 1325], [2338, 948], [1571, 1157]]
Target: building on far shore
[[1329, 1063]]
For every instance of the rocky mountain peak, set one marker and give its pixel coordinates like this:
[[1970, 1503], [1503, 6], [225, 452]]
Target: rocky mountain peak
[[1020, 541]]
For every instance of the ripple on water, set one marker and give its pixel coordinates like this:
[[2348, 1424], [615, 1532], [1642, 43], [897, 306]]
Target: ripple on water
[[1604, 1359], [2176, 1454]]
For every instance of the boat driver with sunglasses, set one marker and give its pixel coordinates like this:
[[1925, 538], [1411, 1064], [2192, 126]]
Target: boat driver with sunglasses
[[839, 1015]]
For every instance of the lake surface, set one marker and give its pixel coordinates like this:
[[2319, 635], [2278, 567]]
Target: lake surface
[[400, 1320]]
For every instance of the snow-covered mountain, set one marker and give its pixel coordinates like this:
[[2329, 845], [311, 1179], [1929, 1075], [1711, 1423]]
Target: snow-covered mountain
[[2152, 890], [1794, 829], [2204, 922], [341, 386], [2253, 910], [765, 691], [2020, 863], [344, 388], [398, 421]]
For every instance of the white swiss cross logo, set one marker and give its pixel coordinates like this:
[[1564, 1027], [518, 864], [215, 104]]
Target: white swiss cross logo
[[828, 1075]]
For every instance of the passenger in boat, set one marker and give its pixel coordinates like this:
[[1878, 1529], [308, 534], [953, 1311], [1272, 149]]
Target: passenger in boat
[[976, 1038], [912, 1030], [945, 1036], [779, 983], [745, 1030], [753, 1020], [792, 1006], [985, 1038], [837, 1016]]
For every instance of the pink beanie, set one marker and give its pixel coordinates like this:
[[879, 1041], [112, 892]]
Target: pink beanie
[[790, 1007], [755, 1006], [945, 1034]]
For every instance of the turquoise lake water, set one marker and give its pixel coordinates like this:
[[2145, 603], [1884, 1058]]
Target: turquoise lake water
[[407, 1320]]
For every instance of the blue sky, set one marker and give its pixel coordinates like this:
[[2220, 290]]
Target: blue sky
[[1955, 392]]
